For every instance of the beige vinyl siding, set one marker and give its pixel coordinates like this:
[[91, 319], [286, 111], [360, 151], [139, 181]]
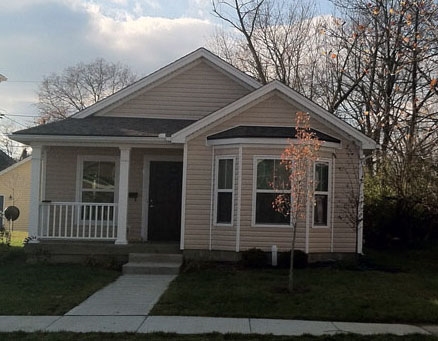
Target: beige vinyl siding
[[61, 168], [192, 94], [135, 186], [15, 188], [198, 195], [273, 111]]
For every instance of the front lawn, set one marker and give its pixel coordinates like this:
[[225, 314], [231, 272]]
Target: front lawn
[[400, 286], [44, 289]]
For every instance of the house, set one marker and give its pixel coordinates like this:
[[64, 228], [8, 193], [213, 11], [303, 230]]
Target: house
[[186, 155], [5, 160], [15, 191]]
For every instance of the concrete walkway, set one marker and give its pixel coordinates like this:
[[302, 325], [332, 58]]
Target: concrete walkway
[[124, 306]]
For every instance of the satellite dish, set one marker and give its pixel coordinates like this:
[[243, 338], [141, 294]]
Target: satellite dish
[[11, 213]]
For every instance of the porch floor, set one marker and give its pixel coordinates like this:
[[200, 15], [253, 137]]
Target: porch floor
[[93, 252]]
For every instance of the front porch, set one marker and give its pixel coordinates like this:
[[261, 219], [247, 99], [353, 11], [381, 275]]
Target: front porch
[[115, 195], [104, 253], [77, 221]]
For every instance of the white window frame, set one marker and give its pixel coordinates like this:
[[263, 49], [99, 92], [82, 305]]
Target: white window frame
[[328, 193], [96, 158], [217, 190], [255, 191]]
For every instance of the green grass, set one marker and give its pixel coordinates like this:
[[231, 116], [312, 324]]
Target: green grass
[[44, 289], [18, 238], [202, 337], [400, 286]]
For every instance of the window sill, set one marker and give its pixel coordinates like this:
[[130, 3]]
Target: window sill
[[283, 226]]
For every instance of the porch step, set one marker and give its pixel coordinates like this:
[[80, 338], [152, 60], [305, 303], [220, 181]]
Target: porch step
[[153, 263]]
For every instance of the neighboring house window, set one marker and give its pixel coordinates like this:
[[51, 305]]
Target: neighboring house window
[[224, 191], [322, 195], [272, 179], [97, 185]]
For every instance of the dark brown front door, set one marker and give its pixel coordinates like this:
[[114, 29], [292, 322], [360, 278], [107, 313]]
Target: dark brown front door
[[165, 182]]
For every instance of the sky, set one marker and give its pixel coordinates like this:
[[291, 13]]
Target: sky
[[40, 37]]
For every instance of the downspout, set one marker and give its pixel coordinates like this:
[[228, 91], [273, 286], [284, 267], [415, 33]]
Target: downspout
[[184, 197], [239, 199], [332, 201], [212, 187]]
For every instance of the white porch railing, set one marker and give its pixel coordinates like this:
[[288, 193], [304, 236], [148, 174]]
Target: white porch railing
[[77, 220]]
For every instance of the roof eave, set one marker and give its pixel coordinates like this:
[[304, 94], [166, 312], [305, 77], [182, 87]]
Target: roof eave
[[62, 140], [365, 142]]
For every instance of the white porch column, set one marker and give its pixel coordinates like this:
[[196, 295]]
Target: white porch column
[[35, 191], [122, 216]]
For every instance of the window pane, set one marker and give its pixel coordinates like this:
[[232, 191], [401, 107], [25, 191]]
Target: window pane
[[265, 213], [225, 176], [272, 174], [99, 197], [224, 207], [265, 171], [281, 176], [320, 214], [99, 175], [321, 176]]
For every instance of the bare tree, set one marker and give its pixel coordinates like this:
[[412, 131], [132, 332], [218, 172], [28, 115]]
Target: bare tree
[[9, 147], [271, 40], [394, 63], [79, 86]]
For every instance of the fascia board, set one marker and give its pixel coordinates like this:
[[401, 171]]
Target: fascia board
[[164, 72], [56, 139], [366, 142], [182, 135], [265, 142]]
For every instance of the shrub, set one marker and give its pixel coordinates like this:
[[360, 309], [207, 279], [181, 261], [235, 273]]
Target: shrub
[[254, 258], [300, 259]]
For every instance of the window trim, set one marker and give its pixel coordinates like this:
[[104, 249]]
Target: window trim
[[328, 193], [96, 158], [256, 158], [217, 191]]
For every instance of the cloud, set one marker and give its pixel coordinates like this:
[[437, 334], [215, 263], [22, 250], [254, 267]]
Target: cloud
[[146, 40], [44, 36]]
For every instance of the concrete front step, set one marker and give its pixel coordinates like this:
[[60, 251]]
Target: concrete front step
[[156, 257], [150, 263]]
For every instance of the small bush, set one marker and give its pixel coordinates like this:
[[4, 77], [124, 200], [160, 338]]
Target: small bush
[[254, 258], [300, 259]]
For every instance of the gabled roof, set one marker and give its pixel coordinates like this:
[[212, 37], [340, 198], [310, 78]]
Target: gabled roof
[[5, 160], [124, 94], [258, 95], [266, 132], [101, 126], [15, 165]]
